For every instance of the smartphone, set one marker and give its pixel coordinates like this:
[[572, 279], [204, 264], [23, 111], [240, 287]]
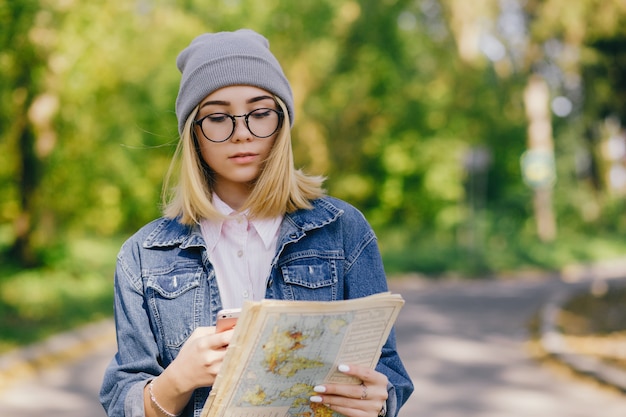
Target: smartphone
[[226, 319]]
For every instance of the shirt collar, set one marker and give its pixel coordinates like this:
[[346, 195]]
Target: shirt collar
[[267, 229], [167, 232]]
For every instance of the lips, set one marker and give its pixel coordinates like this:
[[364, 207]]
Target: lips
[[243, 157]]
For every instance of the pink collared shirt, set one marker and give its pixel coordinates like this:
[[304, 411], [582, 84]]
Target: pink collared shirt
[[241, 252]]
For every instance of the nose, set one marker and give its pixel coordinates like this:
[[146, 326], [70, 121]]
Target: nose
[[240, 129]]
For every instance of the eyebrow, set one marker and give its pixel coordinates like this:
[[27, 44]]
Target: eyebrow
[[227, 103]]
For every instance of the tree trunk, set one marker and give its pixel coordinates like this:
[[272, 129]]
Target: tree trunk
[[28, 178]]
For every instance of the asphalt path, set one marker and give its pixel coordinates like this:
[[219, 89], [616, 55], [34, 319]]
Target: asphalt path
[[465, 345], [70, 390]]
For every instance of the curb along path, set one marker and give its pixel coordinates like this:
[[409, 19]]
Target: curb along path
[[595, 279], [59, 377], [55, 351]]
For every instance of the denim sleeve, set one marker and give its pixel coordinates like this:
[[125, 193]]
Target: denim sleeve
[[365, 275], [400, 386], [135, 362]]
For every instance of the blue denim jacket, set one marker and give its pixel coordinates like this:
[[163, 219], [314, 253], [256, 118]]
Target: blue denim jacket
[[165, 287]]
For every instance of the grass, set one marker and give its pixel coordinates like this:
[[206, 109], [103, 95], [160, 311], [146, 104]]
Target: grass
[[78, 289], [440, 254]]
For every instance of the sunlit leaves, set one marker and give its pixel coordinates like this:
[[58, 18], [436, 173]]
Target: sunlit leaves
[[390, 96]]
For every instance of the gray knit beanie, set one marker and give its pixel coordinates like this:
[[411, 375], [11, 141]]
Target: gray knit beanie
[[216, 60]]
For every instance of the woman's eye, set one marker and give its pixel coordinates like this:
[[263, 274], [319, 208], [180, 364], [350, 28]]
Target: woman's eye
[[217, 118], [261, 113]]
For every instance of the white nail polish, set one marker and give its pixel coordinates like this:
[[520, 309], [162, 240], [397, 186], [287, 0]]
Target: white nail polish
[[343, 368], [316, 399], [319, 388]]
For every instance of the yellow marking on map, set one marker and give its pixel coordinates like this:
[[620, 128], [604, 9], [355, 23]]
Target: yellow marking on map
[[280, 353], [337, 325], [255, 396]]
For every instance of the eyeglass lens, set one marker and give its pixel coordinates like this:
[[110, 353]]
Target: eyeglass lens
[[219, 127]]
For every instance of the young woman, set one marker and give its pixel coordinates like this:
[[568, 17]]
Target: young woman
[[241, 224]]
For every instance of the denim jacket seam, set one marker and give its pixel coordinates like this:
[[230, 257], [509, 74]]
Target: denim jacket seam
[[304, 221], [134, 280], [353, 256]]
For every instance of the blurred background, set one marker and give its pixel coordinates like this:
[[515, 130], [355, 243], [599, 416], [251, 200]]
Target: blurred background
[[478, 137]]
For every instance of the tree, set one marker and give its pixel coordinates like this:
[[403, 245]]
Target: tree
[[579, 48], [394, 101], [28, 110]]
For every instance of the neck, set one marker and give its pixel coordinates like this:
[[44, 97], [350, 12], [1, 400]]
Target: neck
[[234, 195]]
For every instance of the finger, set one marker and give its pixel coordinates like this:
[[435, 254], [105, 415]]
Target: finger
[[213, 361], [366, 374], [350, 395], [202, 332], [347, 406], [215, 341], [349, 391], [358, 392], [222, 339], [355, 412], [347, 411]]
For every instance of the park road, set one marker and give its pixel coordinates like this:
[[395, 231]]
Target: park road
[[463, 342], [465, 345]]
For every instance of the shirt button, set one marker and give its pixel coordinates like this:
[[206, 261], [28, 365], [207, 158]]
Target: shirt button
[[245, 294], [240, 253]]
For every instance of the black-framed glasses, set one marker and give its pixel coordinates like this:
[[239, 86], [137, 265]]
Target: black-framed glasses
[[219, 127]]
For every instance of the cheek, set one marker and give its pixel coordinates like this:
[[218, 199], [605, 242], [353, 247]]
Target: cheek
[[208, 154], [269, 145]]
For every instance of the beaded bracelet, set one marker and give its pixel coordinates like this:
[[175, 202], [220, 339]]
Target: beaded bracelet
[[155, 402]]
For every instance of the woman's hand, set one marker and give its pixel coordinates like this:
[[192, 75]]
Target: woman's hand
[[365, 400], [197, 365], [199, 360]]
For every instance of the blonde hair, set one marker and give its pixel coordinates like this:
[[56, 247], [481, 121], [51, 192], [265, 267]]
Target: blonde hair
[[279, 189]]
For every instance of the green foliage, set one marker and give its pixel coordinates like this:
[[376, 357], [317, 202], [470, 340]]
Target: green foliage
[[492, 247], [390, 106], [36, 303]]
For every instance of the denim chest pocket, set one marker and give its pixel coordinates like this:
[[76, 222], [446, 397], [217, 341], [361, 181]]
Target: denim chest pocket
[[172, 297], [311, 276]]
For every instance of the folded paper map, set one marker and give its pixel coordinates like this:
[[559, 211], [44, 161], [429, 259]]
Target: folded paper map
[[281, 349]]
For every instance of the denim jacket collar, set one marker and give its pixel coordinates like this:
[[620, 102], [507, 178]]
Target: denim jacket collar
[[294, 226]]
